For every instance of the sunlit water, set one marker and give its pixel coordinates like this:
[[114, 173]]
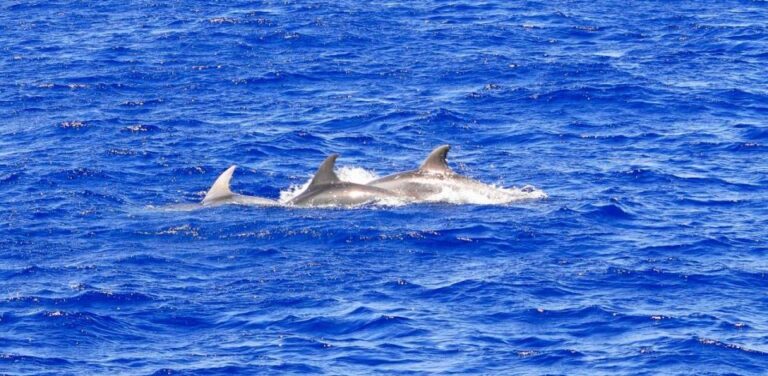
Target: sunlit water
[[643, 123]]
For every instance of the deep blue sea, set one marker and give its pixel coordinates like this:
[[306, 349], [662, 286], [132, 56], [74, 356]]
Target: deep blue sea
[[646, 124]]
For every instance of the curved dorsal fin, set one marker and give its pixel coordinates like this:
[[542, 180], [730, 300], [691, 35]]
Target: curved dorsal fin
[[435, 162], [220, 188], [325, 174]]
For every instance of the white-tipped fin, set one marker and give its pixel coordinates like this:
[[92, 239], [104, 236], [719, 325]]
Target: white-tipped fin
[[325, 174], [220, 188], [435, 162]]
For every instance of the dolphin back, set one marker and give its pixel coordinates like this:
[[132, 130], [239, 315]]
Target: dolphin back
[[327, 189]]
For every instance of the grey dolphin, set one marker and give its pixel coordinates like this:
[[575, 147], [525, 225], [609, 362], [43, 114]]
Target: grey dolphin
[[327, 189], [220, 193], [430, 179]]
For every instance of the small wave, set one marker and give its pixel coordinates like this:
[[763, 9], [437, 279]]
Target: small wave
[[72, 124], [361, 323], [187, 322], [754, 132], [223, 20], [103, 326], [10, 178], [709, 342], [469, 289], [76, 174], [712, 202], [584, 313], [442, 115], [746, 146], [141, 102], [33, 360], [609, 211], [87, 299], [140, 128], [190, 170], [145, 259], [29, 271], [282, 367], [185, 230], [92, 196], [647, 175], [704, 245]]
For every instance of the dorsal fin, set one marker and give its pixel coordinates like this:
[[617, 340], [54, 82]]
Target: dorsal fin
[[220, 188], [325, 174], [435, 162]]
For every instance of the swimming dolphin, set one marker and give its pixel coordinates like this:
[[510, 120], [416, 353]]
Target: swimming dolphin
[[434, 178], [327, 189], [220, 193]]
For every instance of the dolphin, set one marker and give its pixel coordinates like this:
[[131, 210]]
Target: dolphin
[[434, 177], [220, 193], [327, 189]]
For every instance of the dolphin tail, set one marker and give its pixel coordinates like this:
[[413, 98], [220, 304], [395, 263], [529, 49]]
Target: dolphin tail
[[435, 162], [325, 174], [220, 188]]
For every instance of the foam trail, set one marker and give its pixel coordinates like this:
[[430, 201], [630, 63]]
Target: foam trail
[[485, 195]]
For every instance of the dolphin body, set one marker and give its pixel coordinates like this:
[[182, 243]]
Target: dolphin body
[[220, 193], [431, 179], [326, 189]]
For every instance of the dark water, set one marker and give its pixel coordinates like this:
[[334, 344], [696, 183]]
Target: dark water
[[646, 123]]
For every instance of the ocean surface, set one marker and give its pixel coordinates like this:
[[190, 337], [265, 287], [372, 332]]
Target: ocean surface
[[645, 123]]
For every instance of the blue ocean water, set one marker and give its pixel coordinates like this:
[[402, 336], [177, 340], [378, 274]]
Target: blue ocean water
[[646, 123]]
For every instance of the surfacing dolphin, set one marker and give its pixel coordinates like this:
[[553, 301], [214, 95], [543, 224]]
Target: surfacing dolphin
[[434, 178], [327, 189], [220, 193]]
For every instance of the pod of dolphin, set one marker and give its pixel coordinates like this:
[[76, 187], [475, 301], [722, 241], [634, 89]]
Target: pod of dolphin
[[424, 184]]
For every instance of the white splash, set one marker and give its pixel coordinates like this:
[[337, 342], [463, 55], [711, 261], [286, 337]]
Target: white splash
[[481, 194], [357, 175]]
